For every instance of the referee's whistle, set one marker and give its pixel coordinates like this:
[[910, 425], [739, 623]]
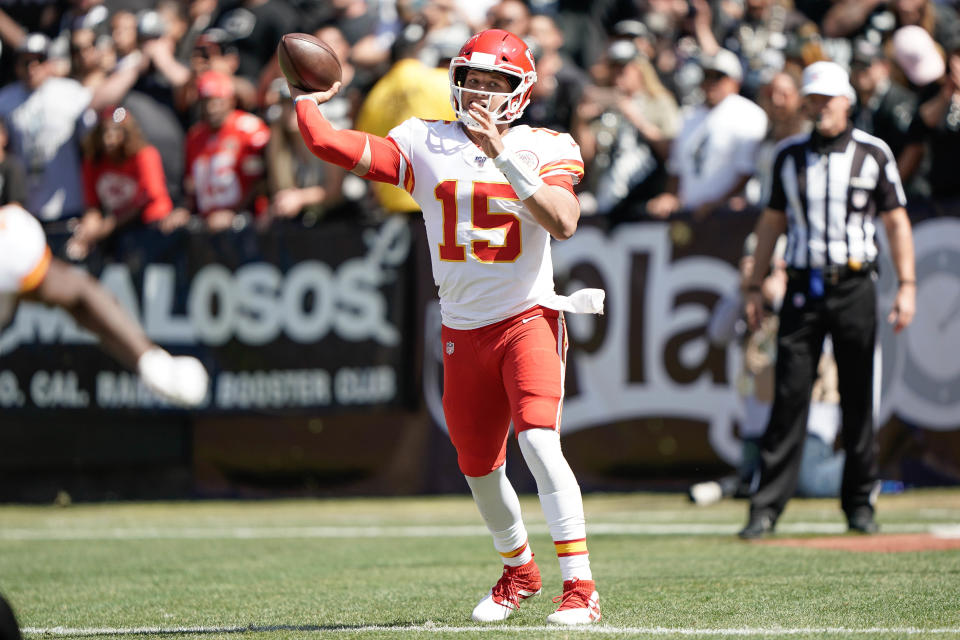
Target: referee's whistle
[[816, 283]]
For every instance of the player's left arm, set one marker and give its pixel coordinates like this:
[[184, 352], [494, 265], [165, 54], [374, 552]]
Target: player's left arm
[[553, 206], [556, 209]]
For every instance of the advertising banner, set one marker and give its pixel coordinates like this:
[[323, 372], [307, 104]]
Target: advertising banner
[[291, 320], [326, 366], [648, 394]]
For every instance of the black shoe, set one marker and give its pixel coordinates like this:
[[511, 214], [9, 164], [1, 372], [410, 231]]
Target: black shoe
[[759, 526], [862, 521]]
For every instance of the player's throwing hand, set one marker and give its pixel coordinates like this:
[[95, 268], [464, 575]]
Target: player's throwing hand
[[317, 96]]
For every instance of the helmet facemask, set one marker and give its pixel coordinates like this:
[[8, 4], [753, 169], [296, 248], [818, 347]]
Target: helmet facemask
[[511, 108]]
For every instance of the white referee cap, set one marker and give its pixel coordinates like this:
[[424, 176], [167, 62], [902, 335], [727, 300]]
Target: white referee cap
[[827, 79], [724, 61]]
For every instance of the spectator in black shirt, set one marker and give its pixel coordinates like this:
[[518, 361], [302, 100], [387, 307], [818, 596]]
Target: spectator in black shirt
[[876, 19], [560, 82], [935, 133], [884, 107], [255, 27], [624, 131]]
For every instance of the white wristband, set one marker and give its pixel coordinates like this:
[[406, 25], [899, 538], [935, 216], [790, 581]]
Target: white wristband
[[523, 180], [305, 97]]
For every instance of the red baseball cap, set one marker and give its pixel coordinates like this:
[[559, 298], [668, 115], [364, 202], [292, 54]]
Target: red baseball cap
[[213, 84]]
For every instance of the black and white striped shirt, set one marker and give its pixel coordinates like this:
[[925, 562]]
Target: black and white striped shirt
[[831, 192]]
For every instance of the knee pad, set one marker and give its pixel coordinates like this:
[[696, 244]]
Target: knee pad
[[544, 457]]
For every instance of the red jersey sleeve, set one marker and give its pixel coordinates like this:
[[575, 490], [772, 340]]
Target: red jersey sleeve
[[154, 182], [90, 173], [259, 136], [191, 147], [344, 147]]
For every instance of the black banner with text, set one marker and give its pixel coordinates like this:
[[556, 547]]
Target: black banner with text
[[292, 320]]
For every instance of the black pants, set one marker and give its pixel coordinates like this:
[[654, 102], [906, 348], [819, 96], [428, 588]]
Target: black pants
[[848, 312]]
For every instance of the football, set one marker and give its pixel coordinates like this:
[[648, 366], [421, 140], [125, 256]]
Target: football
[[307, 62]]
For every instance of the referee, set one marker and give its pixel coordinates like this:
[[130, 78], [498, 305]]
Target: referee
[[827, 188]]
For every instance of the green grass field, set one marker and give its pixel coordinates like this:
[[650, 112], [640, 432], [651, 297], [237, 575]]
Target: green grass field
[[414, 568]]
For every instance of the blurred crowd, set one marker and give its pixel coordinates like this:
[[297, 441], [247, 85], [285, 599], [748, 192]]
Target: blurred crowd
[[120, 113]]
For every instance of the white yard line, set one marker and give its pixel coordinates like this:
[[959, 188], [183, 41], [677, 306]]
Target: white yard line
[[946, 530], [263, 533], [600, 629]]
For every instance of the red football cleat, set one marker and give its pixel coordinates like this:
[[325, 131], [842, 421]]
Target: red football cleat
[[516, 584], [579, 604]]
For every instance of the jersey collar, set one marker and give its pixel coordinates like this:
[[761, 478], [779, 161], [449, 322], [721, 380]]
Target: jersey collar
[[821, 144]]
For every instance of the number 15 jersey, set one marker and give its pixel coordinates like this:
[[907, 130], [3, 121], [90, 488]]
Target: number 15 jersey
[[491, 258]]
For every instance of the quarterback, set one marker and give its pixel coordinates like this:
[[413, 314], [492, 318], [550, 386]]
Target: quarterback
[[492, 196], [29, 271]]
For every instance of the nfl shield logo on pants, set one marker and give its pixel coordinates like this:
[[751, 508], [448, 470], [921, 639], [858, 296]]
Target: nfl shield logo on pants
[[449, 348]]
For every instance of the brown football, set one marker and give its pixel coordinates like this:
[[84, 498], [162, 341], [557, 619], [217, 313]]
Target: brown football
[[307, 62]]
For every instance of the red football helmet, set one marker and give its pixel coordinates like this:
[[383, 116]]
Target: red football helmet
[[500, 51]]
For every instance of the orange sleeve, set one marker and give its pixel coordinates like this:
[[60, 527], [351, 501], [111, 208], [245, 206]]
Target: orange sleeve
[[344, 148], [564, 181], [33, 279], [572, 167], [154, 182]]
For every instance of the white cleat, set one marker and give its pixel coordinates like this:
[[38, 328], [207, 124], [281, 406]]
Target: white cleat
[[704, 494], [579, 604], [491, 610]]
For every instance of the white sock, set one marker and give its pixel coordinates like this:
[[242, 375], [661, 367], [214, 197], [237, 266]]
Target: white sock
[[500, 509], [560, 499], [564, 513]]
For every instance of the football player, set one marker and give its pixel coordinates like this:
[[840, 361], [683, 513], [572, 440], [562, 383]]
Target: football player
[[28, 271], [492, 196]]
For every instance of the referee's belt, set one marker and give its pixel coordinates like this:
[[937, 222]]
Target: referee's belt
[[835, 273]]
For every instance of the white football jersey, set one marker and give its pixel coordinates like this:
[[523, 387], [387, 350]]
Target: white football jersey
[[24, 256], [491, 258], [715, 147]]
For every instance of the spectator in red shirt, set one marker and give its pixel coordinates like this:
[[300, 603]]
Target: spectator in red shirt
[[225, 166], [123, 182]]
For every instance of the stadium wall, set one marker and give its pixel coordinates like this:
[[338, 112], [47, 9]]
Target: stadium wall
[[323, 344]]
